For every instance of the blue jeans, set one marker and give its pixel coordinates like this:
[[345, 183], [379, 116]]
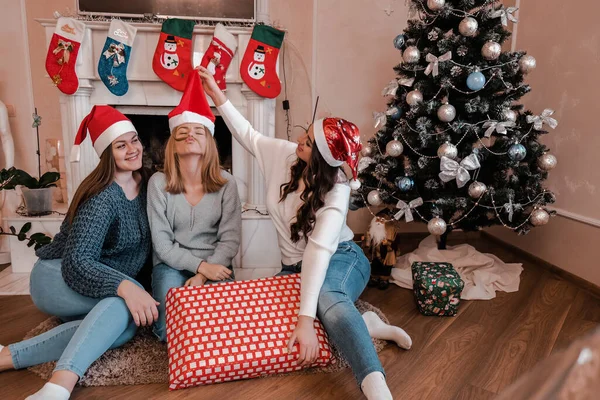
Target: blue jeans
[[347, 277], [163, 279], [95, 325]]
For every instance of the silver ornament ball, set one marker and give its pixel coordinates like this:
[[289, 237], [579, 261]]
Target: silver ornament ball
[[491, 50], [411, 55], [539, 217], [517, 152], [394, 148], [447, 150], [477, 189], [468, 27], [367, 151], [374, 198], [547, 162], [446, 113], [509, 115], [436, 226], [414, 97], [436, 5], [527, 64]]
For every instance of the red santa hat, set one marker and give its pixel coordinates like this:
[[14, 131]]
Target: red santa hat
[[104, 124], [193, 106], [338, 141]]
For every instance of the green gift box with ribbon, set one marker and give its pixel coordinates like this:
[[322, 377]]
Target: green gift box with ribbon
[[437, 287]]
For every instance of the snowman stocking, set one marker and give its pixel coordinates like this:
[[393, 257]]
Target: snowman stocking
[[62, 54], [172, 58], [219, 54], [258, 65], [113, 62]]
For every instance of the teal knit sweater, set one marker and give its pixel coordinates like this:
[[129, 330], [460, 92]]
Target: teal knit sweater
[[107, 243]]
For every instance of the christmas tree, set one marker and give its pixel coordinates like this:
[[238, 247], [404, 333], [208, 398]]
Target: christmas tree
[[454, 149]]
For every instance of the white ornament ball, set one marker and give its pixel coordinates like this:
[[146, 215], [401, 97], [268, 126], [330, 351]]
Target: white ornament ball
[[547, 162], [436, 5], [414, 97], [394, 148], [468, 27], [509, 115], [437, 226], [374, 198], [447, 150], [527, 64], [477, 189], [491, 50], [539, 217], [411, 55], [355, 184], [367, 151], [446, 113]]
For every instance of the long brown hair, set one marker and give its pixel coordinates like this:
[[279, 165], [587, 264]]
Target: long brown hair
[[319, 178], [210, 170], [97, 181]]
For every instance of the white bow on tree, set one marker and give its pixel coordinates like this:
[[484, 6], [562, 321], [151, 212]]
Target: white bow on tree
[[505, 15], [406, 209], [364, 162], [453, 170], [539, 120], [390, 89], [499, 127], [406, 81], [434, 62]]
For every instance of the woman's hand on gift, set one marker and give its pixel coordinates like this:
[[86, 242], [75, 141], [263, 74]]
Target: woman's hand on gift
[[210, 87], [307, 340], [196, 280], [214, 272], [139, 302]]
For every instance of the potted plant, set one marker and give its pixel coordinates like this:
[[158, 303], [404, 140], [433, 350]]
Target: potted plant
[[37, 193]]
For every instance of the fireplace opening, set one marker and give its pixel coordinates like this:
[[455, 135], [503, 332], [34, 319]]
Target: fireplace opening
[[154, 132]]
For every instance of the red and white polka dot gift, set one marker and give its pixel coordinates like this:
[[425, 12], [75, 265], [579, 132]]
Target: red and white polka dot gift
[[235, 330]]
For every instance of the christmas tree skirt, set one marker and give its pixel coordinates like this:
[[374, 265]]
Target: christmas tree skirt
[[483, 274], [143, 360]]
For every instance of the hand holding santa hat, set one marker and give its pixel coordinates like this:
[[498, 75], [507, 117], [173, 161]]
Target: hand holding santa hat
[[193, 107], [338, 141]]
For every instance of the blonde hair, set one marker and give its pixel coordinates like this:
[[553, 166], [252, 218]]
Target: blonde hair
[[211, 166]]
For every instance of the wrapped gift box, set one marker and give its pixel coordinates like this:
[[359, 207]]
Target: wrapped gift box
[[235, 330], [437, 287]]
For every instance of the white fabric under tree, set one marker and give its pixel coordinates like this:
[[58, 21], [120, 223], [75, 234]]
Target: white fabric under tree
[[483, 274]]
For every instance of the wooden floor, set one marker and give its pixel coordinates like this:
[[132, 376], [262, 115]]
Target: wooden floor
[[472, 356]]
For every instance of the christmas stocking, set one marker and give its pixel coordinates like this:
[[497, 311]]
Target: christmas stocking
[[172, 58], [62, 54], [112, 66], [219, 54], [258, 65]]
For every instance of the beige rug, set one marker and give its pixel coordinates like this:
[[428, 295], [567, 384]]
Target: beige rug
[[144, 360]]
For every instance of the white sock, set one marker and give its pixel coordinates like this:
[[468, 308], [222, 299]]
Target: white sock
[[374, 387], [380, 330], [50, 391]]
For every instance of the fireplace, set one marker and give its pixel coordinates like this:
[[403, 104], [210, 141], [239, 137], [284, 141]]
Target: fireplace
[[150, 98]]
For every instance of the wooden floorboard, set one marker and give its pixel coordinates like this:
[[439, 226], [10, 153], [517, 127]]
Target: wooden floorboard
[[474, 355]]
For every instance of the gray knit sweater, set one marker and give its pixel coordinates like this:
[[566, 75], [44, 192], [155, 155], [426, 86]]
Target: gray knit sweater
[[108, 242], [183, 236]]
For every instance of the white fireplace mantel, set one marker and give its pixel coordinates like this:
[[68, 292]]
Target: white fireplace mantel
[[146, 91]]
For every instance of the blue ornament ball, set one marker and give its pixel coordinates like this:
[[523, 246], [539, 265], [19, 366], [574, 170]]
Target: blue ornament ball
[[399, 41], [395, 112], [476, 81], [517, 152], [405, 184]]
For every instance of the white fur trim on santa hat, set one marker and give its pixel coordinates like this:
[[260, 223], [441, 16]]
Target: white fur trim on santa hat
[[111, 133], [75, 153], [191, 117], [322, 144]]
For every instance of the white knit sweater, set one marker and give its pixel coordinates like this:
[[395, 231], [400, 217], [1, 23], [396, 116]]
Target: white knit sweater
[[275, 157]]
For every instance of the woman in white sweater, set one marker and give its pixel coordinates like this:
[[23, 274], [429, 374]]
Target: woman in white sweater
[[307, 198]]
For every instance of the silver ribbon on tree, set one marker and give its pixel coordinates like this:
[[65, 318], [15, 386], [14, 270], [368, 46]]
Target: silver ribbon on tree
[[511, 207], [451, 169], [406, 81], [406, 209], [499, 127], [116, 50], [434, 62], [545, 118], [390, 89], [364, 162], [380, 119], [505, 15]]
